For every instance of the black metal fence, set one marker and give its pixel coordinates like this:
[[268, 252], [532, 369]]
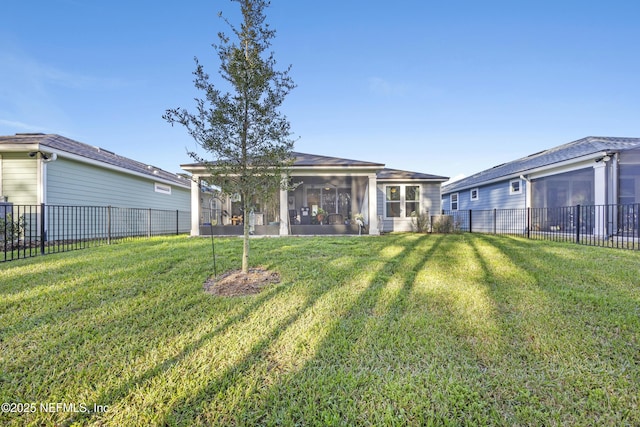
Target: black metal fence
[[31, 230], [595, 225]]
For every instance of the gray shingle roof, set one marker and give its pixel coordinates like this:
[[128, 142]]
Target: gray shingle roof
[[391, 174], [303, 160], [561, 153], [60, 143]]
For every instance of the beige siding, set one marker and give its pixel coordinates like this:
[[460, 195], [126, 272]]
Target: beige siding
[[19, 178]]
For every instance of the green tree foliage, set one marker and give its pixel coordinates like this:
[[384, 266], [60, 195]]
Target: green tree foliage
[[11, 231], [243, 129]]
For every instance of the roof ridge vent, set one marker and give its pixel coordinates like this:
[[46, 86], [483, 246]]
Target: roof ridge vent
[[535, 154]]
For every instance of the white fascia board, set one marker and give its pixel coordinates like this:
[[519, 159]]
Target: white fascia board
[[82, 159], [16, 148], [427, 180], [564, 167]]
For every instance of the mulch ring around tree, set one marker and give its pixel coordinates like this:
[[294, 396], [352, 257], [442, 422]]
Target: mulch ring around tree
[[237, 283]]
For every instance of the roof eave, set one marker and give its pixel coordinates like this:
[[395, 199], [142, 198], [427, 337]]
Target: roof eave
[[539, 169], [16, 148], [413, 179], [82, 159], [199, 168]]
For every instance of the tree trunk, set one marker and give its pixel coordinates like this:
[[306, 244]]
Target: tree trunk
[[245, 245]]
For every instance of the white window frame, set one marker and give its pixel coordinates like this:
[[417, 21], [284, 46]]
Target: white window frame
[[457, 202], [477, 197], [403, 195], [519, 190], [403, 200], [398, 202]]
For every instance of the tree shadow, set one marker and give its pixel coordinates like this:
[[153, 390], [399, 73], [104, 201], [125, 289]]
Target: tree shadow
[[252, 305], [113, 395], [400, 263]]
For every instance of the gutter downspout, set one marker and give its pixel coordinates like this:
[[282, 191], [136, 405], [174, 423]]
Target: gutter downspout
[[42, 171]]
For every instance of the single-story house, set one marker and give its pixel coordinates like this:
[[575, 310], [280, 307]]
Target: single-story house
[[592, 171], [66, 175], [333, 193], [40, 168]]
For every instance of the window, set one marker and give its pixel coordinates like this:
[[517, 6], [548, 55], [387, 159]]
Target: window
[[393, 201], [402, 201], [515, 187], [412, 200], [454, 202], [474, 194]]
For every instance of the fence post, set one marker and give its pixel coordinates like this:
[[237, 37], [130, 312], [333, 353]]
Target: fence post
[[636, 220], [577, 223], [108, 225], [495, 221], [177, 222], [42, 228], [528, 223], [470, 220], [149, 227]]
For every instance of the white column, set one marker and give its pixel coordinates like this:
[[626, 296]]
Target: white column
[[284, 208], [373, 205], [600, 197], [195, 205]]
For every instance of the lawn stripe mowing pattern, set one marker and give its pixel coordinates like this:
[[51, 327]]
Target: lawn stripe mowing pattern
[[403, 329]]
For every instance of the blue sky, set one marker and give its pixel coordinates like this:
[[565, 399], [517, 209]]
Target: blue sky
[[442, 87]]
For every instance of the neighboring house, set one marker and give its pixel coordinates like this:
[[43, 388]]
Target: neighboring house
[[51, 169], [384, 199], [592, 171]]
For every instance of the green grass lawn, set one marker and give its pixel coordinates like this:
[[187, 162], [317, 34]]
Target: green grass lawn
[[395, 330]]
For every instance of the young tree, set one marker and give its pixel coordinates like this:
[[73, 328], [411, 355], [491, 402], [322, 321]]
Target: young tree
[[249, 139]]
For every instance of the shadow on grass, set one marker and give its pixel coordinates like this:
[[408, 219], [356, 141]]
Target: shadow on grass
[[259, 352], [55, 290], [372, 359], [400, 264], [114, 395], [117, 394], [571, 335]]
